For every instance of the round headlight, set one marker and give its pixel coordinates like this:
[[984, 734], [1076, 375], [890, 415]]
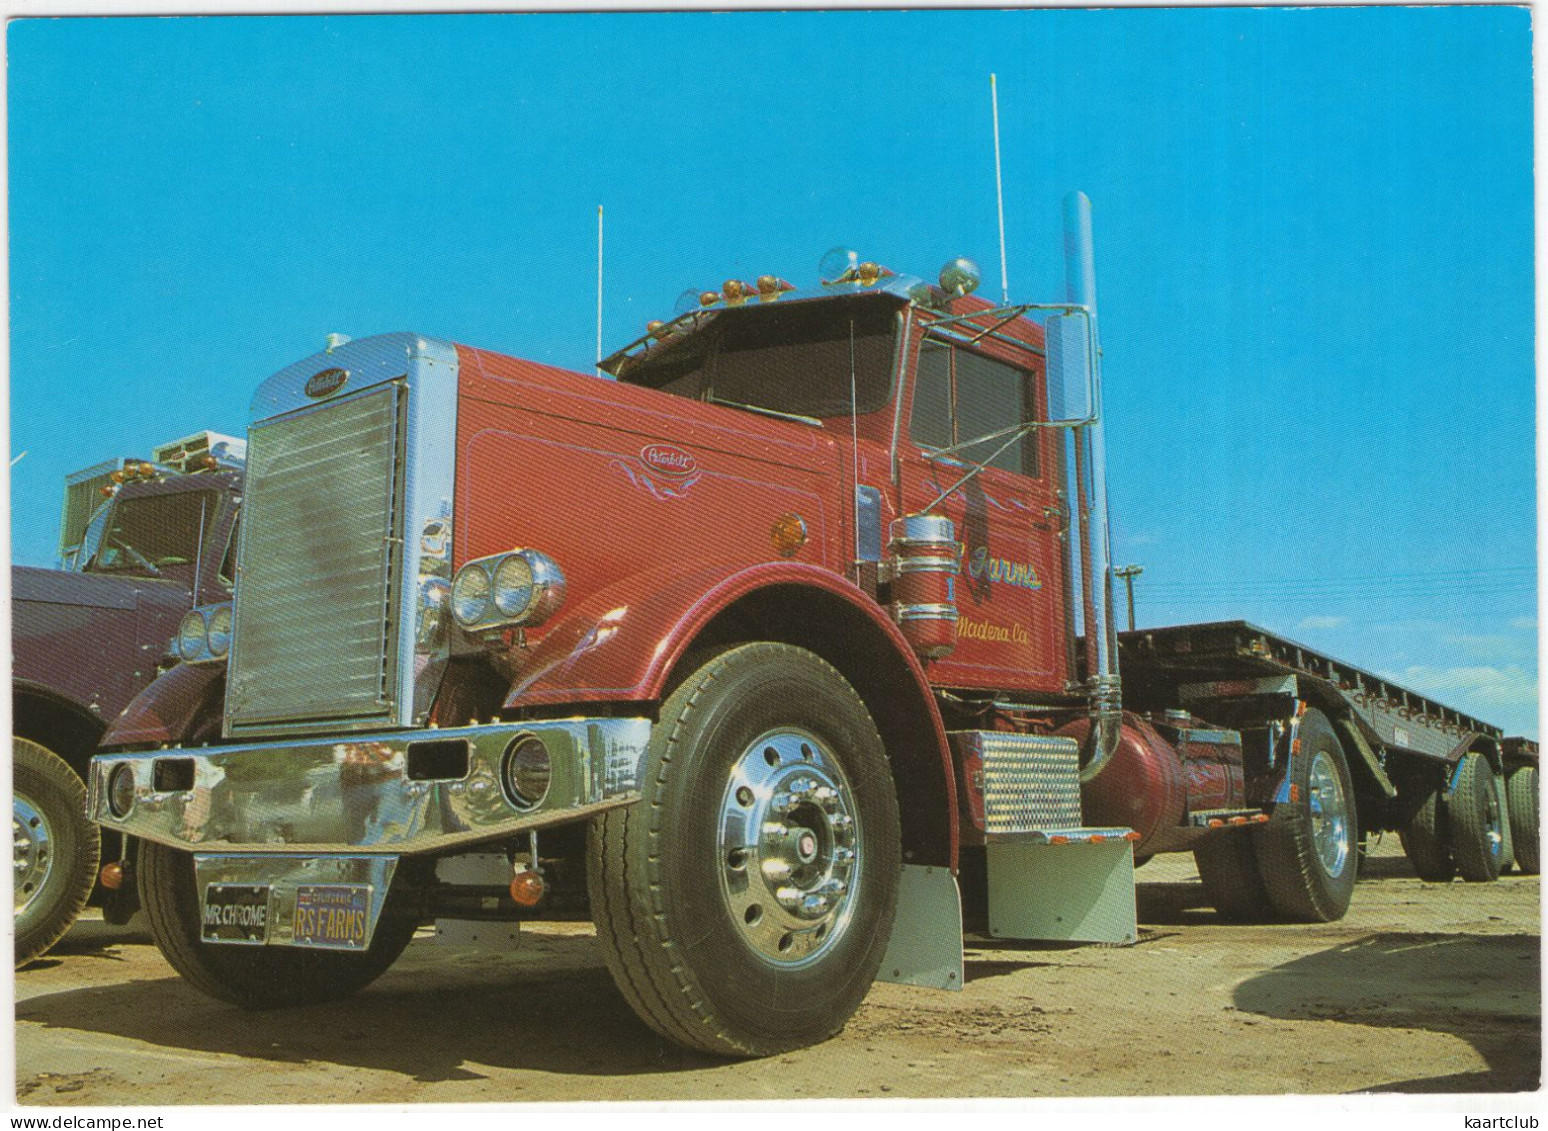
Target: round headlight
[[470, 595], [121, 790], [527, 772], [218, 631], [190, 635], [513, 586]]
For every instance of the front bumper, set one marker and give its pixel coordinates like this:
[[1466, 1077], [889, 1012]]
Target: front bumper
[[387, 794]]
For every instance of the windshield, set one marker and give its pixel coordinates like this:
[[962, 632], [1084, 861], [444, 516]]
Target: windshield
[[794, 360], [145, 533]]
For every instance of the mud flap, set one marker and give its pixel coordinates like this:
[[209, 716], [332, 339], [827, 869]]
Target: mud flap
[[926, 945], [1079, 891]]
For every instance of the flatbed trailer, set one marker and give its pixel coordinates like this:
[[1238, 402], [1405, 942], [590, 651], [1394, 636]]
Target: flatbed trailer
[[1411, 747]]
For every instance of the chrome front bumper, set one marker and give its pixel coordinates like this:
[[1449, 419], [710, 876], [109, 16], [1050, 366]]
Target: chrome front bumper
[[368, 795]]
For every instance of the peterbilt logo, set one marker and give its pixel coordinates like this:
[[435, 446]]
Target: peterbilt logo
[[326, 383], [668, 460]]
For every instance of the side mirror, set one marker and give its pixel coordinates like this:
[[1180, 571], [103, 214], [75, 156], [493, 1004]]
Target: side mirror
[[1071, 383]]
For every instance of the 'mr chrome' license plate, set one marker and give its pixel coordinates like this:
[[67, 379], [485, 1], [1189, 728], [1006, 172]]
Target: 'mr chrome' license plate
[[236, 913], [332, 915]]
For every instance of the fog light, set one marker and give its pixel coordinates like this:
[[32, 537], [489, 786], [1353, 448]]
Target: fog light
[[527, 772], [121, 790]]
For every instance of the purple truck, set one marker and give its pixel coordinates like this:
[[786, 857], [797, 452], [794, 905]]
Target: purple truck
[[142, 543]]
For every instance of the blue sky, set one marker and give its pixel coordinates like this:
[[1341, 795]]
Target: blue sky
[[1314, 251]]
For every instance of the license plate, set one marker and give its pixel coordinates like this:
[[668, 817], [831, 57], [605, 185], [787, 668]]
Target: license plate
[[236, 913], [332, 915]]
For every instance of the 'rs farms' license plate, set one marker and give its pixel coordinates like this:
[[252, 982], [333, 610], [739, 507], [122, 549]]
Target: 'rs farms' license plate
[[236, 913], [332, 915]]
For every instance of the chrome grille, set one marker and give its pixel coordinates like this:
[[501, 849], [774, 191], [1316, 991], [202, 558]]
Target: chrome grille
[[313, 628]]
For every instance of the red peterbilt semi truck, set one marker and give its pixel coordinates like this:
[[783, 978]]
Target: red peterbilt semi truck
[[781, 656]]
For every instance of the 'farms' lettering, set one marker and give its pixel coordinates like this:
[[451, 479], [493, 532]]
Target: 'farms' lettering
[[981, 565]]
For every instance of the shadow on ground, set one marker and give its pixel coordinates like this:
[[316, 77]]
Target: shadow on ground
[[1484, 989], [550, 1007]]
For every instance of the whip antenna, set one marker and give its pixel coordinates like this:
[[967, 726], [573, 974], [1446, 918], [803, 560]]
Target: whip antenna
[[599, 290], [999, 192]]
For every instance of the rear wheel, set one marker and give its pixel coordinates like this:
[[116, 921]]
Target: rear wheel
[[1228, 865], [1522, 804], [1477, 821], [744, 904], [1507, 835], [1426, 835], [54, 848], [1306, 854], [253, 977]]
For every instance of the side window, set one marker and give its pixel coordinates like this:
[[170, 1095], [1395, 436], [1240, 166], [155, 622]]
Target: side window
[[960, 395], [228, 566]]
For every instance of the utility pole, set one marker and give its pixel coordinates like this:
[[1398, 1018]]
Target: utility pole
[[1129, 573]]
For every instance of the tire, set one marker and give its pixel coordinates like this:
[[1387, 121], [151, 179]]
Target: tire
[[1228, 865], [1507, 837], [253, 977], [1521, 800], [1307, 854], [56, 848], [707, 948], [1477, 821], [1426, 834]]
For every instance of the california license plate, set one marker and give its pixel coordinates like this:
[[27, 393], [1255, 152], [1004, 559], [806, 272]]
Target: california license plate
[[236, 913], [332, 915]]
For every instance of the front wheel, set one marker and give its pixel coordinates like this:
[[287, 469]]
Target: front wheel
[[1307, 854], [744, 904], [54, 848], [253, 977]]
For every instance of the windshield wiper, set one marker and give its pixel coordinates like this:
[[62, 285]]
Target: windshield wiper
[[139, 559]]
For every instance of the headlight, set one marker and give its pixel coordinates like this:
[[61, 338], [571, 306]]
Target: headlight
[[217, 631], [470, 594], [190, 635], [521, 588], [513, 585]]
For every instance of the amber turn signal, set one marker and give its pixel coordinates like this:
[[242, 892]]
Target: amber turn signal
[[528, 888], [789, 534], [111, 876]]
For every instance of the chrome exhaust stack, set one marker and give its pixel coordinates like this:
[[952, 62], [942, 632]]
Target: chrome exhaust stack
[[1086, 488]]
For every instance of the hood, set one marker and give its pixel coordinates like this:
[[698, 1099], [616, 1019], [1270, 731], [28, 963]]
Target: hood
[[92, 590]]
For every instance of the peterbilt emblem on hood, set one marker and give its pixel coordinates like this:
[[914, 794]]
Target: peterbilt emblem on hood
[[668, 460], [326, 383]]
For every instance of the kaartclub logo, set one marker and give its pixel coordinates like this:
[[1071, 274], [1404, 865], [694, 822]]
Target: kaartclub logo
[[661, 471]]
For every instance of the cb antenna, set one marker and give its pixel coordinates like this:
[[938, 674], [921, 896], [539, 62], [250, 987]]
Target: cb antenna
[[999, 192], [599, 290]]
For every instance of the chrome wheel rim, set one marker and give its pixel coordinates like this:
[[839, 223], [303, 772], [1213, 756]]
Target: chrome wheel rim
[[789, 848], [32, 850], [1329, 815], [1494, 817]]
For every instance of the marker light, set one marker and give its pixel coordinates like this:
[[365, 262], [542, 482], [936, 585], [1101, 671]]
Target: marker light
[[868, 273], [111, 876], [656, 328], [789, 534], [770, 287], [528, 888], [709, 298], [736, 291]]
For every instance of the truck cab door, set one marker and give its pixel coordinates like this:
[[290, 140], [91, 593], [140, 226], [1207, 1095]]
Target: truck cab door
[[1010, 592]]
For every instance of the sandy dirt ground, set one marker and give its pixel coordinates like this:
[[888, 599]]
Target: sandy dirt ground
[[1422, 988]]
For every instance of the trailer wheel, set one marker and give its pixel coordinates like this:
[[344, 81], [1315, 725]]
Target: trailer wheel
[[253, 977], [1507, 835], [1522, 804], [1306, 854], [54, 849], [1477, 821], [1426, 837], [1228, 865], [744, 904]]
